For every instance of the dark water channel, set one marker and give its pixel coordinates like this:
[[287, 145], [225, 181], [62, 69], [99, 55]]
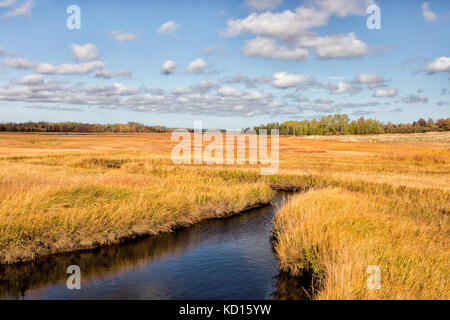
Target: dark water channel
[[228, 258]]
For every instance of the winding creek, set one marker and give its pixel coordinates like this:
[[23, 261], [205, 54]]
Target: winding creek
[[229, 258]]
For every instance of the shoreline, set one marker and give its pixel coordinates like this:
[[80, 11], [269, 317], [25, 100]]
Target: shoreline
[[134, 236]]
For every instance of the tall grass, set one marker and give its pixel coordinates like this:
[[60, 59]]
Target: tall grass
[[372, 200], [335, 235]]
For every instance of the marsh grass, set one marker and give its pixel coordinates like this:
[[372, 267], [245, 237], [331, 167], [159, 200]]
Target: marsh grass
[[335, 234], [370, 200]]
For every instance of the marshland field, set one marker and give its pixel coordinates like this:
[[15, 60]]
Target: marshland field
[[368, 200]]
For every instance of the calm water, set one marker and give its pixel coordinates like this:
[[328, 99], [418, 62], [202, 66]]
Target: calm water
[[217, 259]]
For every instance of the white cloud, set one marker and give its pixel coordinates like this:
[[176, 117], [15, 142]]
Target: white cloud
[[277, 104], [267, 48], [24, 9], [114, 89], [385, 92], [229, 92], [67, 68], [292, 28], [169, 27], [181, 90], [284, 25], [168, 67], [428, 15], [84, 52], [336, 46], [205, 86], [226, 101], [343, 87], [343, 8], [285, 80], [372, 80], [441, 64], [7, 3], [368, 78], [415, 98], [19, 63], [196, 66], [105, 74], [32, 79], [123, 36], [262, 5], [250, 82]]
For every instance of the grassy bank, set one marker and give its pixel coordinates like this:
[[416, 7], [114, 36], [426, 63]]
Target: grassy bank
[[335, 235]]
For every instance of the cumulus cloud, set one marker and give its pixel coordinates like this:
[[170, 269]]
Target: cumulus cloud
[[19, 63], [385, 93], [415, 98], [205, 86], [122, 36], [181, 90], [441, 64], [372, 80], [249, 82], [343, 87], [48, 68], [261, 5], [114, 89], [168, 67], [428, 15], [32, 79], [69, 69], [205, 98], [105, 74], [196, 66], [277, 104], [24, 9], [336, 46], [268, 48], [285, 80], [229, 92], [84, 52], [80, 52], [292, 30], [169, 28]]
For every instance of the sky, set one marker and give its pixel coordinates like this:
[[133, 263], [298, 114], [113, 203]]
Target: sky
[[229, 64]]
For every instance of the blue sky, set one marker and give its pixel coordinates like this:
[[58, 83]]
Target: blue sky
[[229, 64]]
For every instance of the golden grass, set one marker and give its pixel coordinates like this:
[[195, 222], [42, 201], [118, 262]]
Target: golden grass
[[337, 234], [67, 192]]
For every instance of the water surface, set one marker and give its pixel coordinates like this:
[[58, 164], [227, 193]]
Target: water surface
[[229, 258]]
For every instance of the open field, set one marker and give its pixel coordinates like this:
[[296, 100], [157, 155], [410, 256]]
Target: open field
[[375, 200]]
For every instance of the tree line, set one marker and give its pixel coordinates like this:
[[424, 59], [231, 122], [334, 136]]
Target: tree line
[[339, 124], [130, 127]]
